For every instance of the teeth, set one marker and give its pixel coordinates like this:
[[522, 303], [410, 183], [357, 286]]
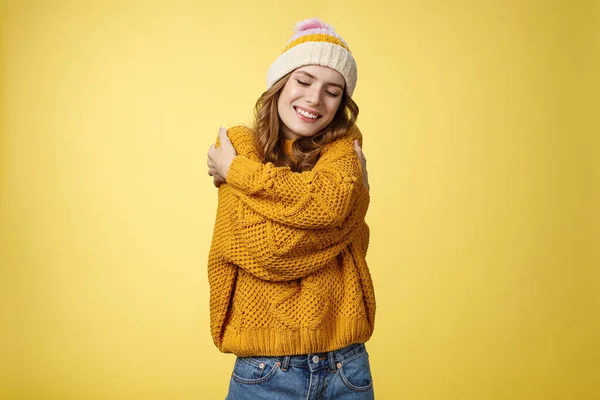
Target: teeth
[[307, 114]]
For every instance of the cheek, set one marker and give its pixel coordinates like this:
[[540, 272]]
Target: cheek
[[289, 91], [332, 108], [283, 103], [285, 99]]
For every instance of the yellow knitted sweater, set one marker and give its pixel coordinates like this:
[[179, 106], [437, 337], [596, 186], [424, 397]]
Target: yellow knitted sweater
[[286, 267]]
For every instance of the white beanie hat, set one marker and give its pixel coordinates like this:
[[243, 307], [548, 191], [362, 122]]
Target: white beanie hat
[[315, 43]]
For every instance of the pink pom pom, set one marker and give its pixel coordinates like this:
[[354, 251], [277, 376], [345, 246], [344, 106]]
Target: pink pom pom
[[313, 23]]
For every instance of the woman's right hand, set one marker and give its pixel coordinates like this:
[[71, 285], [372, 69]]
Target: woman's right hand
[[220, 158], [363, 161]]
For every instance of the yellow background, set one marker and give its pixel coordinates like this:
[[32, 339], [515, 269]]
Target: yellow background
[[482, 143]]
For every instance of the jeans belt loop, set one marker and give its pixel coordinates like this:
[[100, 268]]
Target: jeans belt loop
[[332, 366], [286, 363]]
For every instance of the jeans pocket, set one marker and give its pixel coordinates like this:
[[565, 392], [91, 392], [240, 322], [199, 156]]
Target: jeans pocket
[[355, 372], [254, 371]]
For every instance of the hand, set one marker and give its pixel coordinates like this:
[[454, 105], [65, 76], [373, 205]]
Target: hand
[[220, 158], [363, 161]]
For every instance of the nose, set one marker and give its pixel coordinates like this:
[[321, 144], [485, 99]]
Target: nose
[[313, 96]]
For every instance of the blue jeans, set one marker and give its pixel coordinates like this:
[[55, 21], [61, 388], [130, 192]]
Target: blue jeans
[[343, 374]]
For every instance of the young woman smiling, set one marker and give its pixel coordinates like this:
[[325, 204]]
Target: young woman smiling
[[291, 293]]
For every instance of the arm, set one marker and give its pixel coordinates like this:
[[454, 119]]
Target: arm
[[272, 250], [321, 198], [276, 252]]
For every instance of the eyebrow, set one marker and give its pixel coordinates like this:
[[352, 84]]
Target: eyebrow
[[314, 77]]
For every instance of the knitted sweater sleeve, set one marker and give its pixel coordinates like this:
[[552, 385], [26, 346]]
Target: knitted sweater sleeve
[[321, 198], [273, 251]]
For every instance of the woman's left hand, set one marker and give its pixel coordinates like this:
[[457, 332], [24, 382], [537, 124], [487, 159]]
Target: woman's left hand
[[220, 158], [363, 162]]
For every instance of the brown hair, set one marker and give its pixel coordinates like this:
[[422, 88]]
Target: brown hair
[[306, 150]]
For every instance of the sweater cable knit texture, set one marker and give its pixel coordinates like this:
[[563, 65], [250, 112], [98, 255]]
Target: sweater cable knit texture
[[286, 268]]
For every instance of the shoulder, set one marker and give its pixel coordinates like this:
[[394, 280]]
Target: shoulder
[[243, 139], [346, 142], [240, 133], [354, 134]]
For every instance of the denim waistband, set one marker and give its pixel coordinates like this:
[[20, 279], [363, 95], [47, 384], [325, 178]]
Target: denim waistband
[[316, 361]]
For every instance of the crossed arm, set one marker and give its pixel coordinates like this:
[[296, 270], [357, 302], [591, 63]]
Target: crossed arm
[[220, 159], [289, 224]]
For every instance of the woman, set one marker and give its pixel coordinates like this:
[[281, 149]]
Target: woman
[[291, 293]]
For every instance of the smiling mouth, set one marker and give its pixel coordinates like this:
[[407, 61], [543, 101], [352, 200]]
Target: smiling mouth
[[307, 114]]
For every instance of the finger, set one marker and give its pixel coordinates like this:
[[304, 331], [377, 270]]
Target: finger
[[223, 135], [357, 147], [358, 150]]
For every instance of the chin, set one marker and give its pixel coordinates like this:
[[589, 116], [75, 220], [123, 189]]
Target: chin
[[306, 132]]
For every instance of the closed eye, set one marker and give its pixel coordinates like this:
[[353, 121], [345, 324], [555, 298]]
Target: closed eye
[[308, 84]]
